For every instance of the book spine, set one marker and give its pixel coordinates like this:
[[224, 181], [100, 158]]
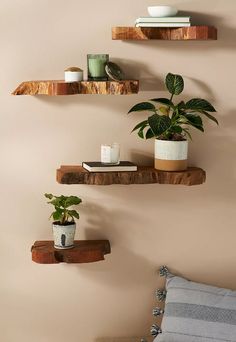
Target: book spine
[[163, 20], [162, 25]]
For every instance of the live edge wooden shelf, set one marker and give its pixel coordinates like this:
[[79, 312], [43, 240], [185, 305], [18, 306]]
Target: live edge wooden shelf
[[53, 88], [84, 251], [181, 33], [144, 175]]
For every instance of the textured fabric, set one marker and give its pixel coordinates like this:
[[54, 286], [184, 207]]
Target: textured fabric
[[197, 313]]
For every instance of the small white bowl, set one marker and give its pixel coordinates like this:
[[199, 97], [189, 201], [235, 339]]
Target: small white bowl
[[73, 76], [162, 11]]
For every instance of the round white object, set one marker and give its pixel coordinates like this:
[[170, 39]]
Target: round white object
[[171, 150], [162, 11], [73, 76], [63, 236]]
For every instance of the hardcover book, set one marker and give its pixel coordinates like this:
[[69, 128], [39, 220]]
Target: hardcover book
[[163, 20], [163, 25], [100, 167]]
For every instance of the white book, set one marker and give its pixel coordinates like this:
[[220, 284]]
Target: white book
[[163, 25], [163, 20]]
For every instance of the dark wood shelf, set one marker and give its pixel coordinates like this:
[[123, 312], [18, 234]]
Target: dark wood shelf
[[54, 88], [84, 251], [144, 175], [163, 33]]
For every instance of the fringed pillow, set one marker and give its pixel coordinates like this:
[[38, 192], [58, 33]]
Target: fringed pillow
[[195, 312]]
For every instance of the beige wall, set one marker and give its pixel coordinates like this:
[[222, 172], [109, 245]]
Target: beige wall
[[191, 229]]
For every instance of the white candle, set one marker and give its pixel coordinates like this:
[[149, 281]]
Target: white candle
[[106, 154], [110, 154], [115, 153]]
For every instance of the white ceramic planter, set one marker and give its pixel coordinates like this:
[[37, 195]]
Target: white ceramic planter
[[171, 155], [73, 76], [63, 236]]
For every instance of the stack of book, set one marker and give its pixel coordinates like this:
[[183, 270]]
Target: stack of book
[[163, 22]]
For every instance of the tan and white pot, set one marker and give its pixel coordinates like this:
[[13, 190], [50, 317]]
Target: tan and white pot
[[171, 155], [63, 235]]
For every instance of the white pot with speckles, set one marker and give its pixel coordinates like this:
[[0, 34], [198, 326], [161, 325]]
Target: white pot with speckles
[[171, 155], [63, 235]]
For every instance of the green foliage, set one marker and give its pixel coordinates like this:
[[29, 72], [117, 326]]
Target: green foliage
[[143, 106], [171, 121], [159, 124], [174, 84], [61, 205]]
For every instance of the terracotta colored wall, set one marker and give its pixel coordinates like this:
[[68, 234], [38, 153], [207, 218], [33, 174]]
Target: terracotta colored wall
[[192, 230]]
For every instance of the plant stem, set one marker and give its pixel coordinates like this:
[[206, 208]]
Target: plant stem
[[172, 95]]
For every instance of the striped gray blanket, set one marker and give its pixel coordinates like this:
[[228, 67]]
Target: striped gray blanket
[[197, 313]]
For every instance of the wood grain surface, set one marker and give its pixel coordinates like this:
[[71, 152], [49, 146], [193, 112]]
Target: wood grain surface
[[84, 251], [53, 88], [144, 175], [182, 33]]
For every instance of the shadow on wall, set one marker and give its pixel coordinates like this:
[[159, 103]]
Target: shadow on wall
[[140, 158], [140, 71], [217, 155], [128, 268]]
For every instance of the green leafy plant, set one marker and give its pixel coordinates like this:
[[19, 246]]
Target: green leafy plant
[[63, 215], [171, 121]]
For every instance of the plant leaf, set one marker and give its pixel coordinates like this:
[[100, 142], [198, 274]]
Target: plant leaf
[[142, 124], [187, 132], [176, 129], [174, 83], [211, 117], [73, 213], [72, 200], [143, 106], [159, 124], [200, 105], [57, 215], [164, 101], [181, 105], [149, 134], [57, 201], [49, 196], [164, 110], [194, 120], [140, 133]]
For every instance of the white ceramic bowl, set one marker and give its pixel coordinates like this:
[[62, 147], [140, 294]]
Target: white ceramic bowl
[[73, 76], [162, 11]]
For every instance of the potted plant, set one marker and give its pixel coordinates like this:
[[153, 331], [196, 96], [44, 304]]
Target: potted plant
[[169, 124], [63, 219]]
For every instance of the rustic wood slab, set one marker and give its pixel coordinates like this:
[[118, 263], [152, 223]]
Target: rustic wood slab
[[144, 175], [53, 88], [182, 33], [84, 251]]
